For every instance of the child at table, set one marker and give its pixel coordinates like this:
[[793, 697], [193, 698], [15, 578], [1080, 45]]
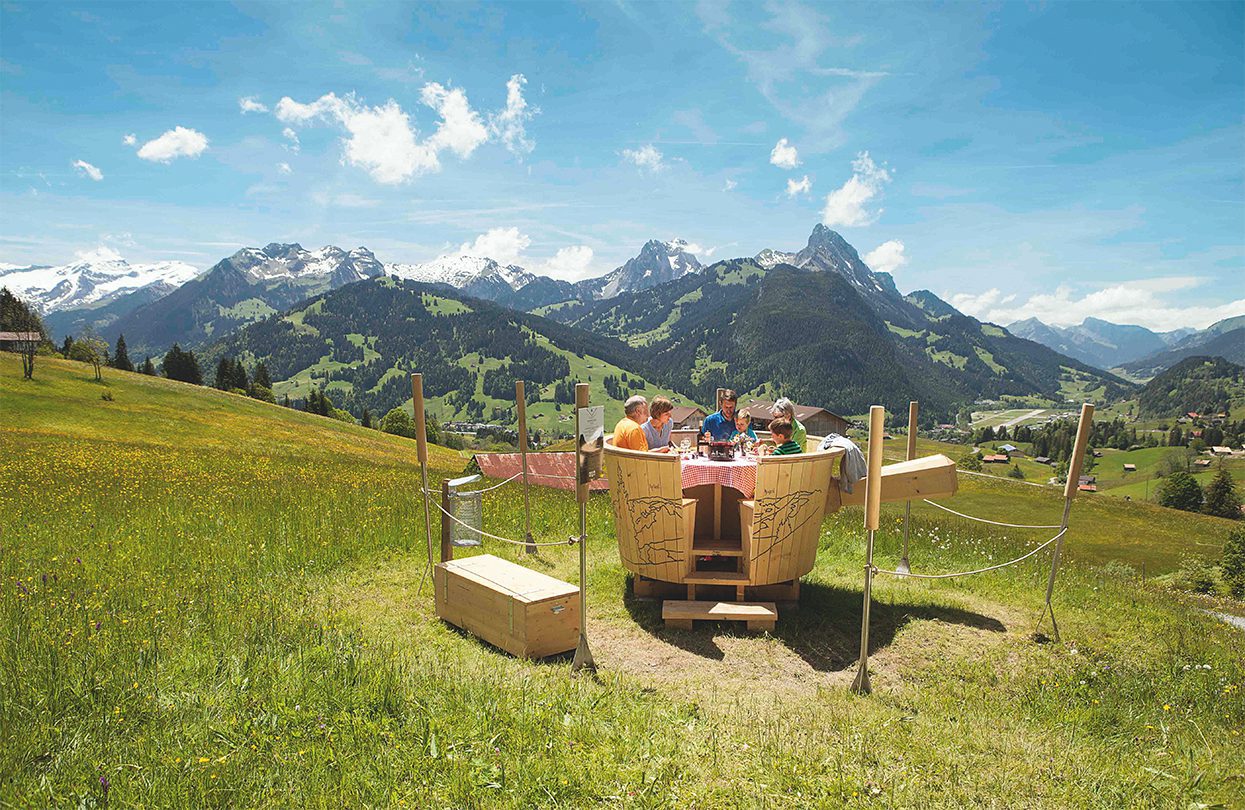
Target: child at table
[[743, 429], [781, 430]]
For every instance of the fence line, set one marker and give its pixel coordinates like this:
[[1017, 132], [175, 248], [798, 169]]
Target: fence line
[[991, 522], [877, 570], [483, 533]]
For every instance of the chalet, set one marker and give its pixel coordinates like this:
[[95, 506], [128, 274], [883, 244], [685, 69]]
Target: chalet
[[995, 458], [1042, 459], [1130, 468], [1087, 479], [1086, 488], [1192, 415], [1009, 448], [1220, 450], [1197, 434], [686, 417], [817, 421], [1201, 462], [1097, 453], [17, 341]]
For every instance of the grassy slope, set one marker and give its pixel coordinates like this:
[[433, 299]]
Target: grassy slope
[[231, 616]]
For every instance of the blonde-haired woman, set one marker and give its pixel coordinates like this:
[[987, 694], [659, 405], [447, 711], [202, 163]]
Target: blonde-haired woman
[[785, 409]]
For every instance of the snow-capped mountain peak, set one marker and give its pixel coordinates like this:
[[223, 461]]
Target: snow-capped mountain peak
[[770, 258], [278, 261], [93, 278], [473, 274]]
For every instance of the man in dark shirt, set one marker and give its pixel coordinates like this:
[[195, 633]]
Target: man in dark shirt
[[720, 425]]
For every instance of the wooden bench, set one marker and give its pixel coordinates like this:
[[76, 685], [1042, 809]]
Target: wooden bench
[[680, 614]]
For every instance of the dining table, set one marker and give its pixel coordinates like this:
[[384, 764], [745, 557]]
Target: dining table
[[701, 473]]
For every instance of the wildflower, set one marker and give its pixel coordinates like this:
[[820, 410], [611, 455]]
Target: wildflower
[[1167, 707]]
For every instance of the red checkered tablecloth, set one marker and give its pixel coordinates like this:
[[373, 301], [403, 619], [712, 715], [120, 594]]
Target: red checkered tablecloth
[[740, 473]]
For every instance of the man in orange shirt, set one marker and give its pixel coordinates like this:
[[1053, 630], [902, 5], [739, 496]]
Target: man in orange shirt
[[627, 433]]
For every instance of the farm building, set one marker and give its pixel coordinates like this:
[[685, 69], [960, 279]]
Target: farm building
[[16, 341], [817, 421], [1130, 468], [1201, 462], [1220, 450], [1087, 479], [1042, 459], [1009, 448], [995, 458], [685, 417], [1087, 488]]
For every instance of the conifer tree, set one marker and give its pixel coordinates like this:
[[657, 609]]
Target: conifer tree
[[182, 365], [261, 376], [148, 368], [224, 373], [1232, 563], [366, 420], [121, 360], [1221, 498]]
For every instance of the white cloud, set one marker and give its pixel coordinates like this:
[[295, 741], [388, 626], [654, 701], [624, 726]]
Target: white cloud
[[646, 157], [502, 245], [284, 168], [130, 139], [177, 142], [784, 155], [383, 141], [343, 200], [797, 187], [886, 257], [461, 130], [88, 170], [1145, 302], [294, 144], [729, 185], [571, 263], [248, 104], [100, 254], [846, 205], [509, 125]]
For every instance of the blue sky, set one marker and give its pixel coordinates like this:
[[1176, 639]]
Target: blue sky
[[1058, 160]]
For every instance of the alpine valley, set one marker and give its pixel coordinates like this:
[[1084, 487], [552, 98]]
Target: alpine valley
[[818, 319]]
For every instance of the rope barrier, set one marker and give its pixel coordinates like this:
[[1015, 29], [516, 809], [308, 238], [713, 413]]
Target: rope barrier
[[487, 489], [496, 537], [877, 570], [991, 522]]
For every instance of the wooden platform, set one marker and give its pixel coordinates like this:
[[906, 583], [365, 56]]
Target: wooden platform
[[757, 615]]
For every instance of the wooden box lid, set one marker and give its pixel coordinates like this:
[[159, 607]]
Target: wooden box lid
[[522, 584]]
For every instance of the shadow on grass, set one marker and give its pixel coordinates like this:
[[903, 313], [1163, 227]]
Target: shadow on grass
[[824, 632]]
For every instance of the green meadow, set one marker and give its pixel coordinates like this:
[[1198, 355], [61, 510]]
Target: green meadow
[[208, 601]]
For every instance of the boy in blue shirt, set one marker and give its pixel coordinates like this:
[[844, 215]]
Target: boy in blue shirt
[[743, 428]]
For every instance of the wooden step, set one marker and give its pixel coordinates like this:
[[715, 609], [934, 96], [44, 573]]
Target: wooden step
[[720, 548], [716, 578], [757, 615]]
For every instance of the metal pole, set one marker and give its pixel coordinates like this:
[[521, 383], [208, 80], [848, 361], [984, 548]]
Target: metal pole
[[447, 538], [1069, 492], [873, 510], [583, 655], [913, 409], [421, 449], [520, 399]]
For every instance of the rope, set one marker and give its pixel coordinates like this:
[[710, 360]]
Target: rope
[[495, 537], [991, 522], [877, 570], [487, 489]]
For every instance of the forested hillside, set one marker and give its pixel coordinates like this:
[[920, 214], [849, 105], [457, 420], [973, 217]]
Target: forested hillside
[[359, 343], [1204, 385]]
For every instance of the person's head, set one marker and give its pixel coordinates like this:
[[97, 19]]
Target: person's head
[[784, 409], [780, 429], [636, 408], [742, 421], [729, 398], [660, 411]]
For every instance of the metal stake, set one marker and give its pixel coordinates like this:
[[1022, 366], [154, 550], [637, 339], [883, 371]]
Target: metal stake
[[861, 685]]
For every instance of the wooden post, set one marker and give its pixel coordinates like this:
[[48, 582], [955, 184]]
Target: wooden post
[[520, 399], [447, 530], [583, 655], [873, 514], [913, 410], [421, 451], [1069, 492], [718, 398]]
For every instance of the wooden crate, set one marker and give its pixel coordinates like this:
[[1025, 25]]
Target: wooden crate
[[524, 612]]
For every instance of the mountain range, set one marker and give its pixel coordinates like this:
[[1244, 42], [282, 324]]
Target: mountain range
[[1136, 351]]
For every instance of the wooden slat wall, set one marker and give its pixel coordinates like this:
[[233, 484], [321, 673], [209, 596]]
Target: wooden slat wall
[[652, 484], [790, 555]]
